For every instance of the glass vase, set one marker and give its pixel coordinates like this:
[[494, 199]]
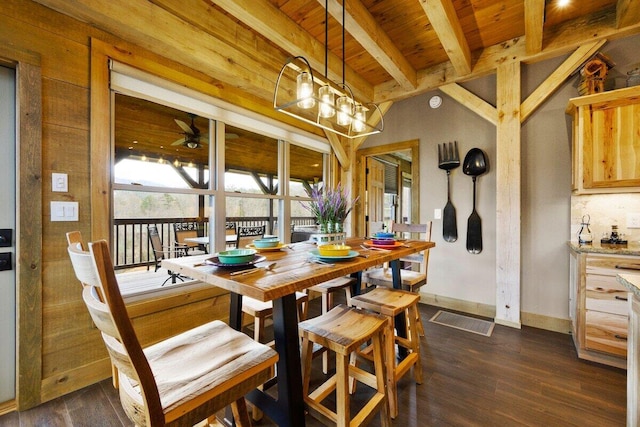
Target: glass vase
[[338, 227]]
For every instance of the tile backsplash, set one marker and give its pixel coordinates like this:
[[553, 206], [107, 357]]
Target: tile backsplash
[[605, 210]]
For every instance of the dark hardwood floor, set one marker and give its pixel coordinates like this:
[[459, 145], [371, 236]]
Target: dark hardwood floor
[[527, 377]]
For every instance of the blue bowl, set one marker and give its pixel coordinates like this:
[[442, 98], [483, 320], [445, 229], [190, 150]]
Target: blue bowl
[[384, 234], [236, 256], [269, 242]]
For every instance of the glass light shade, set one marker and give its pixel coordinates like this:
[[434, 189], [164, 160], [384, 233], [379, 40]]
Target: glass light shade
[[359, 118], [305, 90], [344, 105], [327, 97]]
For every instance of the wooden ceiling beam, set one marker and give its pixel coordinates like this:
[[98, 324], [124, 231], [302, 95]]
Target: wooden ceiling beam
[[534, 25], [627, 13], [557, 78], [266, 19], [559, 40], [445, 22], [363, 27]]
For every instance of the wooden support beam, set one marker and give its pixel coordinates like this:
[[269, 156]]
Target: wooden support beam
[[443, 18], [533, 25], [508, 194], [557, 78], [338, 149], [472, 102], [363, 27], [627, 13]]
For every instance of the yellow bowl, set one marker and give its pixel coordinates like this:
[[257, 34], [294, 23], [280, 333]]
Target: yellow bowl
[[334, 250]]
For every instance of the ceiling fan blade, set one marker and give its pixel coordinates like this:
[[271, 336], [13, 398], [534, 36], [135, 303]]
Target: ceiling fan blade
[[178, 141], [185, 127]]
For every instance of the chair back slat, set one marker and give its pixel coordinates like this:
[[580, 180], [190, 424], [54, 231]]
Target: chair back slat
[[246, 235], [186, 234], [423, 259]]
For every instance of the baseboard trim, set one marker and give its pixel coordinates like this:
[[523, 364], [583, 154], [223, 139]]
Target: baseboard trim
[[8, 406], [533, 320]]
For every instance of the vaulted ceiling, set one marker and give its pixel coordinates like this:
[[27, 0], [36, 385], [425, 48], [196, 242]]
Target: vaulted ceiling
[[393, 49]]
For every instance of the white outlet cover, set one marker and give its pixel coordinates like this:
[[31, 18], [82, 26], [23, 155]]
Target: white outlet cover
[[633, 220], [59, 182]]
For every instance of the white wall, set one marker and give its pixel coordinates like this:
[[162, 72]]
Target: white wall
[[546, 183]]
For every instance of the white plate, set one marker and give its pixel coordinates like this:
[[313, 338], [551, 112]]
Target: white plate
[[275, 248]]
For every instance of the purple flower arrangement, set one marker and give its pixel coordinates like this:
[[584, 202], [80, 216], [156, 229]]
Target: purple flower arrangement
[[329, 205]]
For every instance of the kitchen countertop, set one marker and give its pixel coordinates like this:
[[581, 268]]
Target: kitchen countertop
[[632, 248], [631, 282]]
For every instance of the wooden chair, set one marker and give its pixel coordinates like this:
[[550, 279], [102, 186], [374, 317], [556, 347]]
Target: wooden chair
[[246, 235], [182, 380], [412, 280], [188, 230], [343, 330], [230, 230], [391, 303]]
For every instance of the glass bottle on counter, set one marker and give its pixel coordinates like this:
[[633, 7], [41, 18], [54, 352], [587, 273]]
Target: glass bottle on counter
[[584, 235]]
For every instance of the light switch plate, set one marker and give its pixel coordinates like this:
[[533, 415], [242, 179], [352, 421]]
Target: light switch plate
[[64, 211], [59, 182], [437, 213]]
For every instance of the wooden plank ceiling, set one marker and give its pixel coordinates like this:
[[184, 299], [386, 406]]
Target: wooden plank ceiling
[[394, 49]]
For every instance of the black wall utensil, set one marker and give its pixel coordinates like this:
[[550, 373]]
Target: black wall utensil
[[474, 165], [448, 159]]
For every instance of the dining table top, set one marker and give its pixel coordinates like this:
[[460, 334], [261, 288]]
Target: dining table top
[[294, 267]]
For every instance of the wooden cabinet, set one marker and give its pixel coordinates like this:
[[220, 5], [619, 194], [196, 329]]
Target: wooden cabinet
[[606, 141], [599, 306]]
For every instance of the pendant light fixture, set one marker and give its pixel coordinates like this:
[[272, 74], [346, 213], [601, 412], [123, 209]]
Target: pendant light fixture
[[319, 101]]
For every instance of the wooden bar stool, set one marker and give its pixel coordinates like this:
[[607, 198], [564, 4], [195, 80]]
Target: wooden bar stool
[[343, 330], [327, 291], [261, 310], [391, 303]]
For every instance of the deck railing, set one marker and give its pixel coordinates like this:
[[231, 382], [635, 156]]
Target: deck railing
[[132, 248]]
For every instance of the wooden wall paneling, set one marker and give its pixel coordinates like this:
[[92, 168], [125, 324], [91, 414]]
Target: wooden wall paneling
[[508, 192], [81, 376], [28, 235], [69, 58]]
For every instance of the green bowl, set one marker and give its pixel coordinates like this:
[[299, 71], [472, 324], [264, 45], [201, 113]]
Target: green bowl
[[268, 242], [236, 256]]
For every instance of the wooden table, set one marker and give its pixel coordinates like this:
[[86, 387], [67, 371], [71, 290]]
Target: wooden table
[[292, 272]]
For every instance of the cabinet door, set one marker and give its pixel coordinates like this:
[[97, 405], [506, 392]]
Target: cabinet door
[[611, 146]]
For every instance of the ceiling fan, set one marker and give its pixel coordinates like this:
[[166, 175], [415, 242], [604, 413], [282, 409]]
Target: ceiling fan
[[192, 136]]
